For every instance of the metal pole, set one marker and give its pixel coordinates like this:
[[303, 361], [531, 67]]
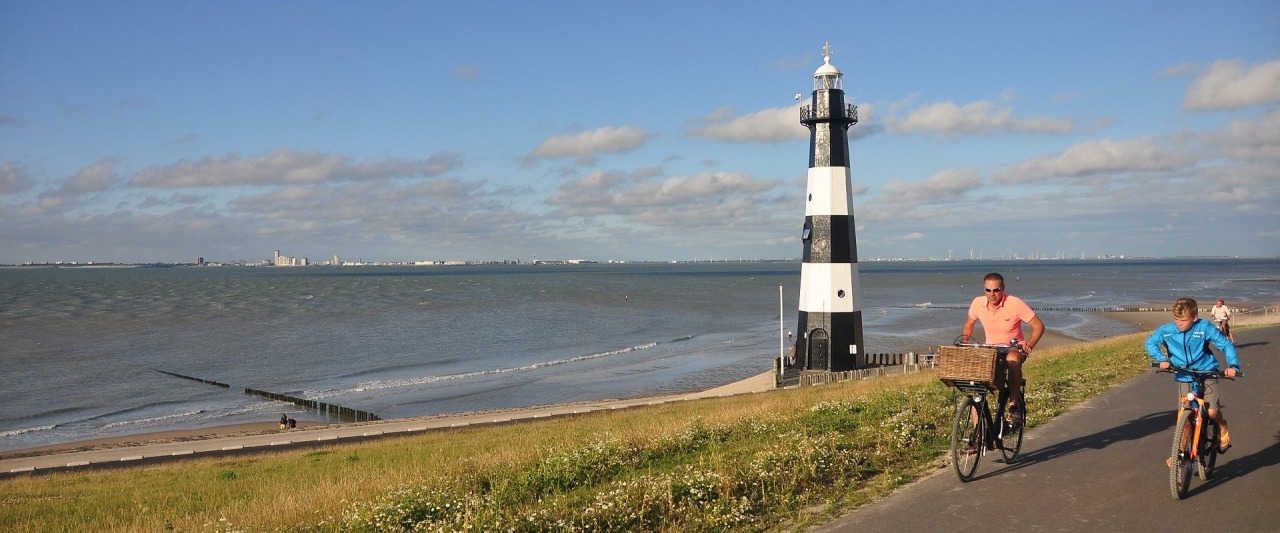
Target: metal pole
[[782, 353]]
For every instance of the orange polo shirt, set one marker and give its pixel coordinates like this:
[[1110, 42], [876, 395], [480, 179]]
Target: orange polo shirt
[[1005, 323]]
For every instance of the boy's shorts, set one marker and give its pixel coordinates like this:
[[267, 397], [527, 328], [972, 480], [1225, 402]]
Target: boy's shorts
[[1210, 393]]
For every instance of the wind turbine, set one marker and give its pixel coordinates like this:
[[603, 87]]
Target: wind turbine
[[948, 255]]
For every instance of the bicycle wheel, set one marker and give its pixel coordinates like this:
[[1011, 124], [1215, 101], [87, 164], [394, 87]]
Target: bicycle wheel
[[1012, 439], [1180, 463], [967, 439], [1208, 451]]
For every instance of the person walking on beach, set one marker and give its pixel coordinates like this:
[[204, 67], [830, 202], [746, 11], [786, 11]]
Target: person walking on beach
[[1185, 343], [284, 421], [1002, 316], [1222, 317]]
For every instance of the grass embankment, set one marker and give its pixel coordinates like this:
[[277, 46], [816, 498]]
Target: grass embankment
[[772, 461]]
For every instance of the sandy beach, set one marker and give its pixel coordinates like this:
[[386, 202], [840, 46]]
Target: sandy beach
[[1146, 320]]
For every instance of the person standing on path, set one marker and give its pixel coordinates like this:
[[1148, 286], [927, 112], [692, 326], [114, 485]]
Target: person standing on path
[[1002, 316]]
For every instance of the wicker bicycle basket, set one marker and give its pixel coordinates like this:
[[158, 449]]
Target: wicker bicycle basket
[[966, 365]]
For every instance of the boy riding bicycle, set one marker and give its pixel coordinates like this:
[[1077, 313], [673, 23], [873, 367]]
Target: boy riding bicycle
[[1002, 315], [1186, 343]]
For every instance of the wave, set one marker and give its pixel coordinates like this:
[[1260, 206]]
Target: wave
[[43, 414], [151, 419], [15, 432], [409, 382], [392, 368], [121, 412]]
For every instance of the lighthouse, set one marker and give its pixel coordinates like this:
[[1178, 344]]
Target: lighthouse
[[830, 322]]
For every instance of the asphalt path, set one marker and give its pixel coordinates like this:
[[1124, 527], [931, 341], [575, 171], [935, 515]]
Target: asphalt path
[[1100, 467]]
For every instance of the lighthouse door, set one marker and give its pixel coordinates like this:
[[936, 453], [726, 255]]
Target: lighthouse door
[[819, 348]]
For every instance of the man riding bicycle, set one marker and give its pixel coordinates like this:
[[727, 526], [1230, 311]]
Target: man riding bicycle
[[1002, 315], [1222, 317], [1186, 345]]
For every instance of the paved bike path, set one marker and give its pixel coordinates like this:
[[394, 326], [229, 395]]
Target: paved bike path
[[1101, 467]]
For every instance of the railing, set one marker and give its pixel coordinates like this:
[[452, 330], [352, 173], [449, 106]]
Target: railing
[[877, 365], [807, 113]]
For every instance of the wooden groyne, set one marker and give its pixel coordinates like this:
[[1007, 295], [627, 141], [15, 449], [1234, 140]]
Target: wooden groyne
[[344, 413], [209, 381]]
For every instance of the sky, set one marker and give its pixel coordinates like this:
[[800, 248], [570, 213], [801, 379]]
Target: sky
[[411, 131]]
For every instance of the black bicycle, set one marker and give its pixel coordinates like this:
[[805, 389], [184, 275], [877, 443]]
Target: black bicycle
[[1195, 437], [976, 429]]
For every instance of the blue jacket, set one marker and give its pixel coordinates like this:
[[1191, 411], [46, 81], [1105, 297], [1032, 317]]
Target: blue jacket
[[1190, 349]]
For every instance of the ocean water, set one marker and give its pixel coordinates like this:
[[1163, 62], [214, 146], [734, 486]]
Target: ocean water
[[85, 351]]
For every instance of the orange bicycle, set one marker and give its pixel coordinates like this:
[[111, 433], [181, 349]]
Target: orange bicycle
[[1195, 437]]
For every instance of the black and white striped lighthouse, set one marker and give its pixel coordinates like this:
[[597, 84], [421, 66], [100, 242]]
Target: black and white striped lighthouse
[[830, 323]]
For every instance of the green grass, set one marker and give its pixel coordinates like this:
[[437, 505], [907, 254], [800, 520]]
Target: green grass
[[771, 461]]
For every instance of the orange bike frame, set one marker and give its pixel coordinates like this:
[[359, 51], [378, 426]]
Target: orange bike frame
[[1199, 410]]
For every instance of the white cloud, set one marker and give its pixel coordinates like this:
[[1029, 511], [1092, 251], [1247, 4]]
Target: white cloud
[[1096, 157], [778, 124], [12, 178], [94, 178], [975, 118], [948, 184], [586, 145], [773, 125], [615, 192], [1250, 139], [283, 165], [727, 200], [1229, 85]]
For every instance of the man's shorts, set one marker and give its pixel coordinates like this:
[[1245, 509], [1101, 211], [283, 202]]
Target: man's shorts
[[1210, 393]]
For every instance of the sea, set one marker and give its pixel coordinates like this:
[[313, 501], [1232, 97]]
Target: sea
[[89, 353]]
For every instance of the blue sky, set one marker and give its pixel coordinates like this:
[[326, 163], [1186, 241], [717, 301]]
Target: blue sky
[[165, 131]]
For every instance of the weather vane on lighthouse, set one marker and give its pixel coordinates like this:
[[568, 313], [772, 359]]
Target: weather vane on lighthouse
[[830, 321]]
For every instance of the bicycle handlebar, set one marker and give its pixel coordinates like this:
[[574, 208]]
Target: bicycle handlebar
[[1208, 374], [1012, 344]]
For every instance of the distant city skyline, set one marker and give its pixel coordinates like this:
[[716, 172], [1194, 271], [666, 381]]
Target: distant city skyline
[[287, 261], [143, 131]]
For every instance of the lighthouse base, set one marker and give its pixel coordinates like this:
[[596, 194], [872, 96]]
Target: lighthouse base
[[830, 342]]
